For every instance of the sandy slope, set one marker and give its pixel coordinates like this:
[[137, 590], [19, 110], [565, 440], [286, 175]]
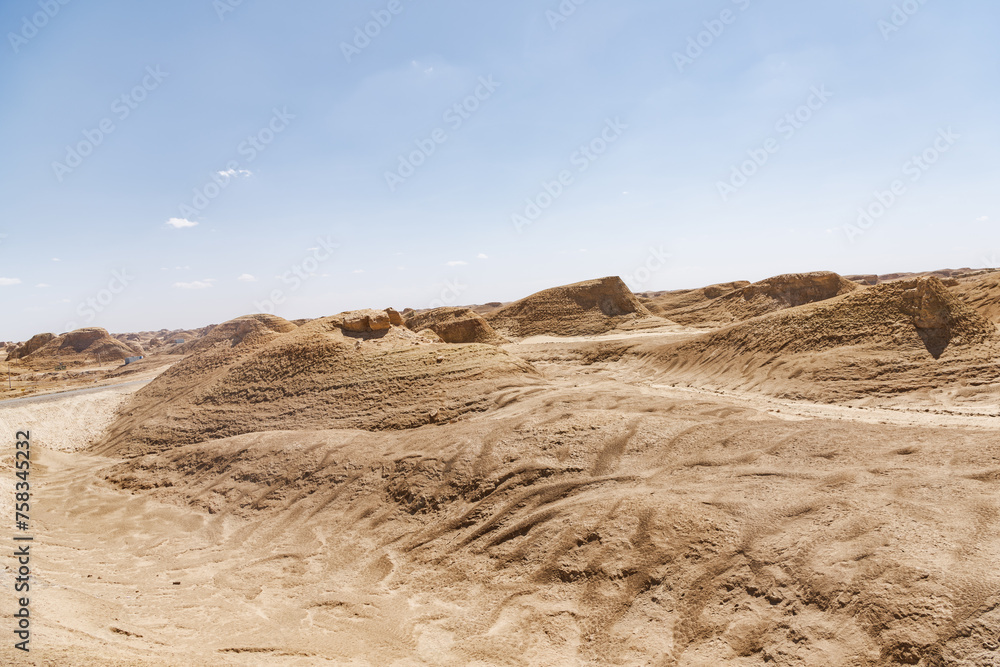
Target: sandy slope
[[595, 519], [66, 423], [656, 496]]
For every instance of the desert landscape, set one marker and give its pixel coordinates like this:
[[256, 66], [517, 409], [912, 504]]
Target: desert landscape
[[802, 470]]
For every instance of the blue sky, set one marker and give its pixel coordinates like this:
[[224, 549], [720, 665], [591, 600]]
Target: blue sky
[[819, 107]]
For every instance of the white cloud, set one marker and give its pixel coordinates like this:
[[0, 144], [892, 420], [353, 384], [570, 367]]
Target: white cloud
[[247, 278], [56, 259], [458, 263], [231, 173], [181, 223], [198, 284], [482, 255], [358, 271], [984, 218], [42, 285], [4, 282]]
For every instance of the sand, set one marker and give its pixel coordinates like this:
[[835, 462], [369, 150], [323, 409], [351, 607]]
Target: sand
[[615, 509]]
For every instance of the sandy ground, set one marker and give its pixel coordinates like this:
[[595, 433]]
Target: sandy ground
[[621, 521], [66, 422]]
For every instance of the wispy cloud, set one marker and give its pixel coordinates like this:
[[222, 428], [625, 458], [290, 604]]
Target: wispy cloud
[[232, 173], [458, 263], [482, 255], [358, 271], [42, 285], [984, 218], [4, 282], [247, 278], [197, 284], [181, 223]]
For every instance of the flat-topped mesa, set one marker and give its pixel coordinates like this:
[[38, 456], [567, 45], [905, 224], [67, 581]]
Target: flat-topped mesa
[[585, 308], [456, 325]]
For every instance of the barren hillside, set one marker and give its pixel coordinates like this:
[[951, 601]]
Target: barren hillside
[[355, 370], [586, 308], [767, 296]]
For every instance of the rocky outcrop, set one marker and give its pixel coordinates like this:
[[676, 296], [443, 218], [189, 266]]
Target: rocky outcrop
[[796, 289], [586, 308], [363, 321], [249, 329], [456, 325], [88, 343], [932, 308], [33, 344], [767, 296]]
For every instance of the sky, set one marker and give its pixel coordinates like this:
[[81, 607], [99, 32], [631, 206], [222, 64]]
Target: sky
[[172, 165]]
